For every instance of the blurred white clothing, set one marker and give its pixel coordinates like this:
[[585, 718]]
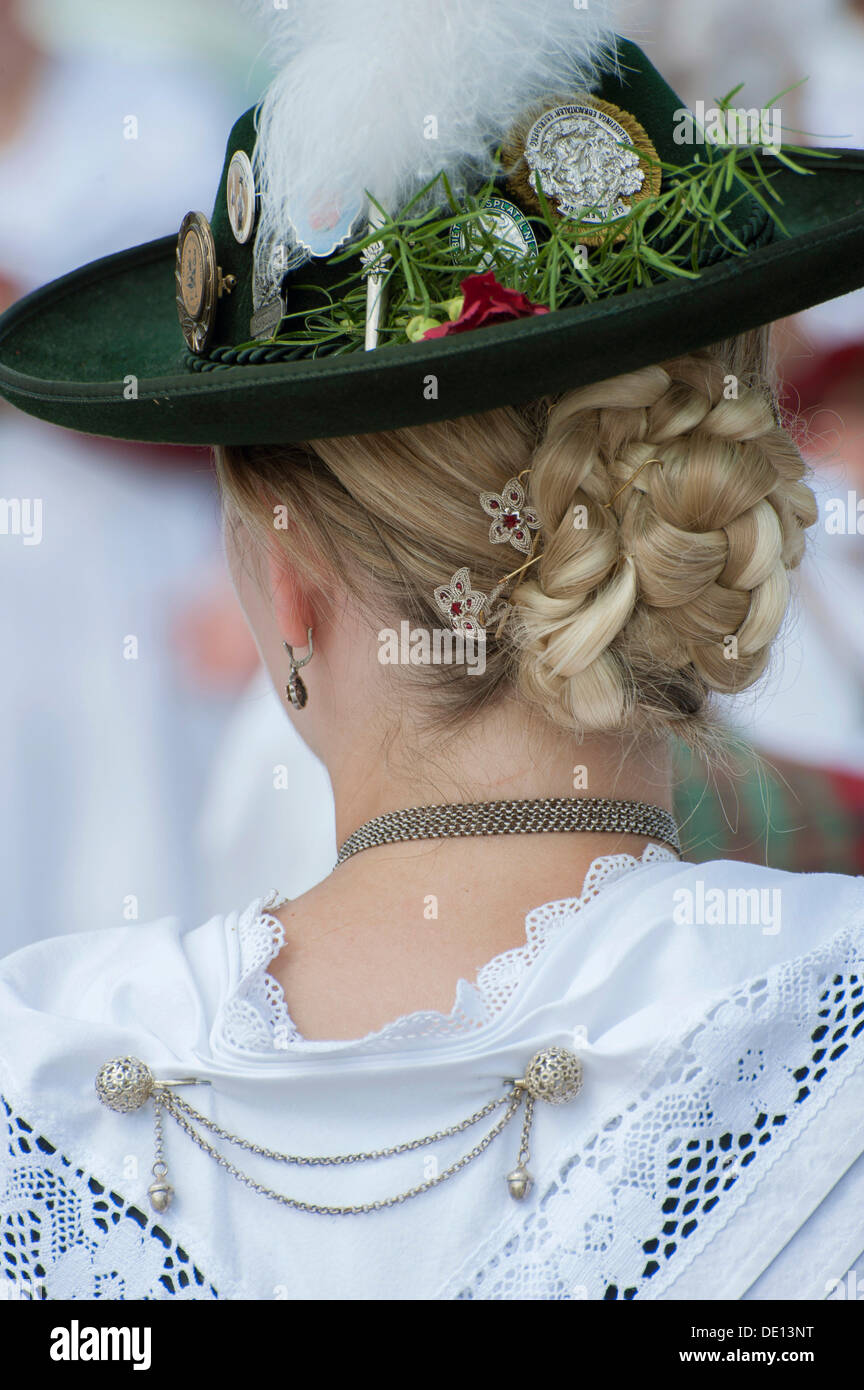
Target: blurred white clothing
[[810, 707], [103, 756], [103, 749], [268, 814], [831, 107]]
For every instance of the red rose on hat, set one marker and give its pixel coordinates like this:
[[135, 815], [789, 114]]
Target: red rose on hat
[[486, 302]]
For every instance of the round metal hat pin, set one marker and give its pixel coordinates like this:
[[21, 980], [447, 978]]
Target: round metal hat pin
[[593, 162], [502, 223], [199, 280], [240, 195]]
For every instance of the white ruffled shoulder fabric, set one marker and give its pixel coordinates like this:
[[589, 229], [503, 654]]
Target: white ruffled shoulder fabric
[[714, 1152]]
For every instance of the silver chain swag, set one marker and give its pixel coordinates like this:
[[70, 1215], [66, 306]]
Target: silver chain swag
[[125, 1084], [562, 813], [179, 1110]]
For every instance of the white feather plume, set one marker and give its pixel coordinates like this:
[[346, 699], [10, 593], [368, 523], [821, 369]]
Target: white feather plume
[[362, 85]]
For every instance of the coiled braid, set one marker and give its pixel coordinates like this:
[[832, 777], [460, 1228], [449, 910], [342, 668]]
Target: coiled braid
[[645, 602]]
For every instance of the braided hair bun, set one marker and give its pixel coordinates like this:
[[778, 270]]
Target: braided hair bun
[[674, 506]]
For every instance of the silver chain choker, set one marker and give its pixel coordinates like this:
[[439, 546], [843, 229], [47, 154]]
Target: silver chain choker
[[561, 813]]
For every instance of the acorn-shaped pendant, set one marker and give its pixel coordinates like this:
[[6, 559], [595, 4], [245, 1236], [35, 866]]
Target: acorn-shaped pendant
[[160, 1194], [519, 1182]]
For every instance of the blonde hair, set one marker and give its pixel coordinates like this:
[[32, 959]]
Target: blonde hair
[[658, 584]]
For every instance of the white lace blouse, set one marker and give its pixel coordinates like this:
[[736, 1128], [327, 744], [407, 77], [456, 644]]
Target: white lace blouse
[[713, 1152]]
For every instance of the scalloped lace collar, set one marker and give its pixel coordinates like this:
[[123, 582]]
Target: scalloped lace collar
[[255, 1017]]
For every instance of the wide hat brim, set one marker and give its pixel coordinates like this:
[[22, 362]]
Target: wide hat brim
[[100, 350]]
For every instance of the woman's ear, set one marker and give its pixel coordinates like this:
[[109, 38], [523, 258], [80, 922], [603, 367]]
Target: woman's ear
[[292, 606]]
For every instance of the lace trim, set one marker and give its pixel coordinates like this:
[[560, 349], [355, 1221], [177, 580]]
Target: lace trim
[[63, 1234], [255, 1017], [627, 1211]]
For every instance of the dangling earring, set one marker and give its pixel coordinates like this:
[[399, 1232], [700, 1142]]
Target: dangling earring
[[295, 689]]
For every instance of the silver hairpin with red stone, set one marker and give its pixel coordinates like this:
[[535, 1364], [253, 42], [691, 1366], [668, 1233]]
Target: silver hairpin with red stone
[[464, 608], [469, 610], [512, 519]]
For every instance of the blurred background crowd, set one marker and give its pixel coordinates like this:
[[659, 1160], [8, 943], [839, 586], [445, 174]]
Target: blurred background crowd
[[146, 767]]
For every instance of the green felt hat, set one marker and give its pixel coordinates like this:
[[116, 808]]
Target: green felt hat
[[101, 350]]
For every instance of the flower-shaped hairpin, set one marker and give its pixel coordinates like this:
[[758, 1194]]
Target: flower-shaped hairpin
[[511, 520], [463, 607], [466, 609]]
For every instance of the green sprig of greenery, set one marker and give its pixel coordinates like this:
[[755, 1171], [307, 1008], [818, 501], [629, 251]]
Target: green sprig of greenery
[[661, 237]]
